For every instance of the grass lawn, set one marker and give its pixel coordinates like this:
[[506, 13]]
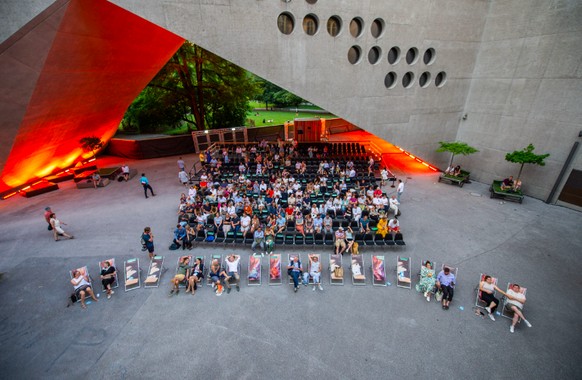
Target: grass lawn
[[280, 117], [254, 104]]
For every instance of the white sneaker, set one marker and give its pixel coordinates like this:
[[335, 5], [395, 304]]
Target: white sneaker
[[320, 287], [254, 254], [425, 294], [511, 329], [488, 309], [262, 254], [427, 298], [527, 323], [491, 317], [313, 288]]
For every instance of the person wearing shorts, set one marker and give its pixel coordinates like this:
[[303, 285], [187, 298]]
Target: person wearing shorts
[[148, 241], [340, 241], [82, 286], [232, 272], [182, 273], [196, 275]]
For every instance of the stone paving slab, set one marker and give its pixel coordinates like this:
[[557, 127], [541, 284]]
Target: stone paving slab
[[265, 332]]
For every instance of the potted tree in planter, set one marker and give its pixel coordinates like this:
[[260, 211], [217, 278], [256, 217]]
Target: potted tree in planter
[[522, 157], [455, 175]]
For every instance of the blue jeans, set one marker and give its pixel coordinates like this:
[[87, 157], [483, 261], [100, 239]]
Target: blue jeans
[[295, 274]]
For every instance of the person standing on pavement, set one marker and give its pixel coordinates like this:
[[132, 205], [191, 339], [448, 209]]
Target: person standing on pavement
[[181, 165], [146, 185], [47, 217], [400, 190]]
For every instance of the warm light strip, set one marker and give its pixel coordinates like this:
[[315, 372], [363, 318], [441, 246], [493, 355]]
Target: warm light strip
[[10, 195]]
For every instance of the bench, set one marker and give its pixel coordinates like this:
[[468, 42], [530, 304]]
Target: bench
[[456, 180], [88, 183], [509, 195]]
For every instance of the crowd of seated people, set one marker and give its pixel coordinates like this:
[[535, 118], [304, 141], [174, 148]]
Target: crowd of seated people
[[281, 188]]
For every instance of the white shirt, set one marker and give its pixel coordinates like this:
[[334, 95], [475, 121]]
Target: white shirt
[[400, 187], [245, 221], [519, 296], [125, 169], [232, 266]]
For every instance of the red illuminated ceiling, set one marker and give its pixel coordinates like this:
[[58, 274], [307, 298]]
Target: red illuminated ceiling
[[100, 58]]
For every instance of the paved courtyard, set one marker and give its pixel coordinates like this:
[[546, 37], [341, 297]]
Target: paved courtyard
[[268, 332]]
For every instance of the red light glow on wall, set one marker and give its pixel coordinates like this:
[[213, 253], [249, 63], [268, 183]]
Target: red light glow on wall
[[100, 59]]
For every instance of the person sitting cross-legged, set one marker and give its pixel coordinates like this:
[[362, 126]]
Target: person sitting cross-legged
[[216, 275], [516, 300], [82, 286]]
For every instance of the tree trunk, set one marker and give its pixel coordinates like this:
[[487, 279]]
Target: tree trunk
[[520, 169], [451, 162]]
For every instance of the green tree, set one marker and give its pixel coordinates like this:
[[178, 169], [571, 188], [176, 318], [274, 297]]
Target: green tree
[[526, 156], [455, 148], [275, 95], [197, 87], [91, 144]]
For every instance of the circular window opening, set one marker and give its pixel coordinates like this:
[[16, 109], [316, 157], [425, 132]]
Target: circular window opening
[[374, 55], [412, 56], [310, 24], [354, 54], [394, 55], [440, 79], [311, 1], [424, 79], [356, 27], [377, 27], [408, 80], [286, 23], [334, 26], [390, 80], [429, 56]]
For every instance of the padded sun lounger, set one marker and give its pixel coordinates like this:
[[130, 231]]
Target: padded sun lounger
[[112, 263], [154, 272], [478, 301], [86, 271], [132, 275], [185, 282], [309, 256], [378, 270], [358, 271], [289, 257], [275, 269], [505, 313], [403, 279], [335, 261], [212, 258], [254, 270]]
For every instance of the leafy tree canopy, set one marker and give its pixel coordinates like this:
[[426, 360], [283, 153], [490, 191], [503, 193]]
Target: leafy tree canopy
[[526, 156], [275, 95], [455, 148]]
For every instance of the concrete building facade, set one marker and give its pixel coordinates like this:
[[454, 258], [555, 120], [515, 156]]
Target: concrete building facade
[[495, 74]]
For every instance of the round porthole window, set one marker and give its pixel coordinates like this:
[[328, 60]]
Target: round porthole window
[[429, 56], [424, 79], [440, 79], [390, 80], [394, 55], [377, 28], [310, 24], [408, 80], [412, 56], [354, 54], [374, 55], [334, 26], [285, 23], [356, 27]]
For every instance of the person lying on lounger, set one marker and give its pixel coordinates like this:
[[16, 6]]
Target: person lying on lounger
[[516, 300], [181, 275], [487, 288], [217, 275], [107, 277], [446, 283], [195, 276], [82, 286], [427, 280]]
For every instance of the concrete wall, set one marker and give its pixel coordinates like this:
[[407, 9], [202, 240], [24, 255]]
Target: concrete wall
[[526, 88], [514, 67], [317, 68]]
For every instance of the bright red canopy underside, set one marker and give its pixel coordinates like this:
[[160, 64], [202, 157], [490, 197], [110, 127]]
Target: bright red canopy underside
[[100, 59]]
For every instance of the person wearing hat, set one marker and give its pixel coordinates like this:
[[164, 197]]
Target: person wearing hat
[[340, 241]]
